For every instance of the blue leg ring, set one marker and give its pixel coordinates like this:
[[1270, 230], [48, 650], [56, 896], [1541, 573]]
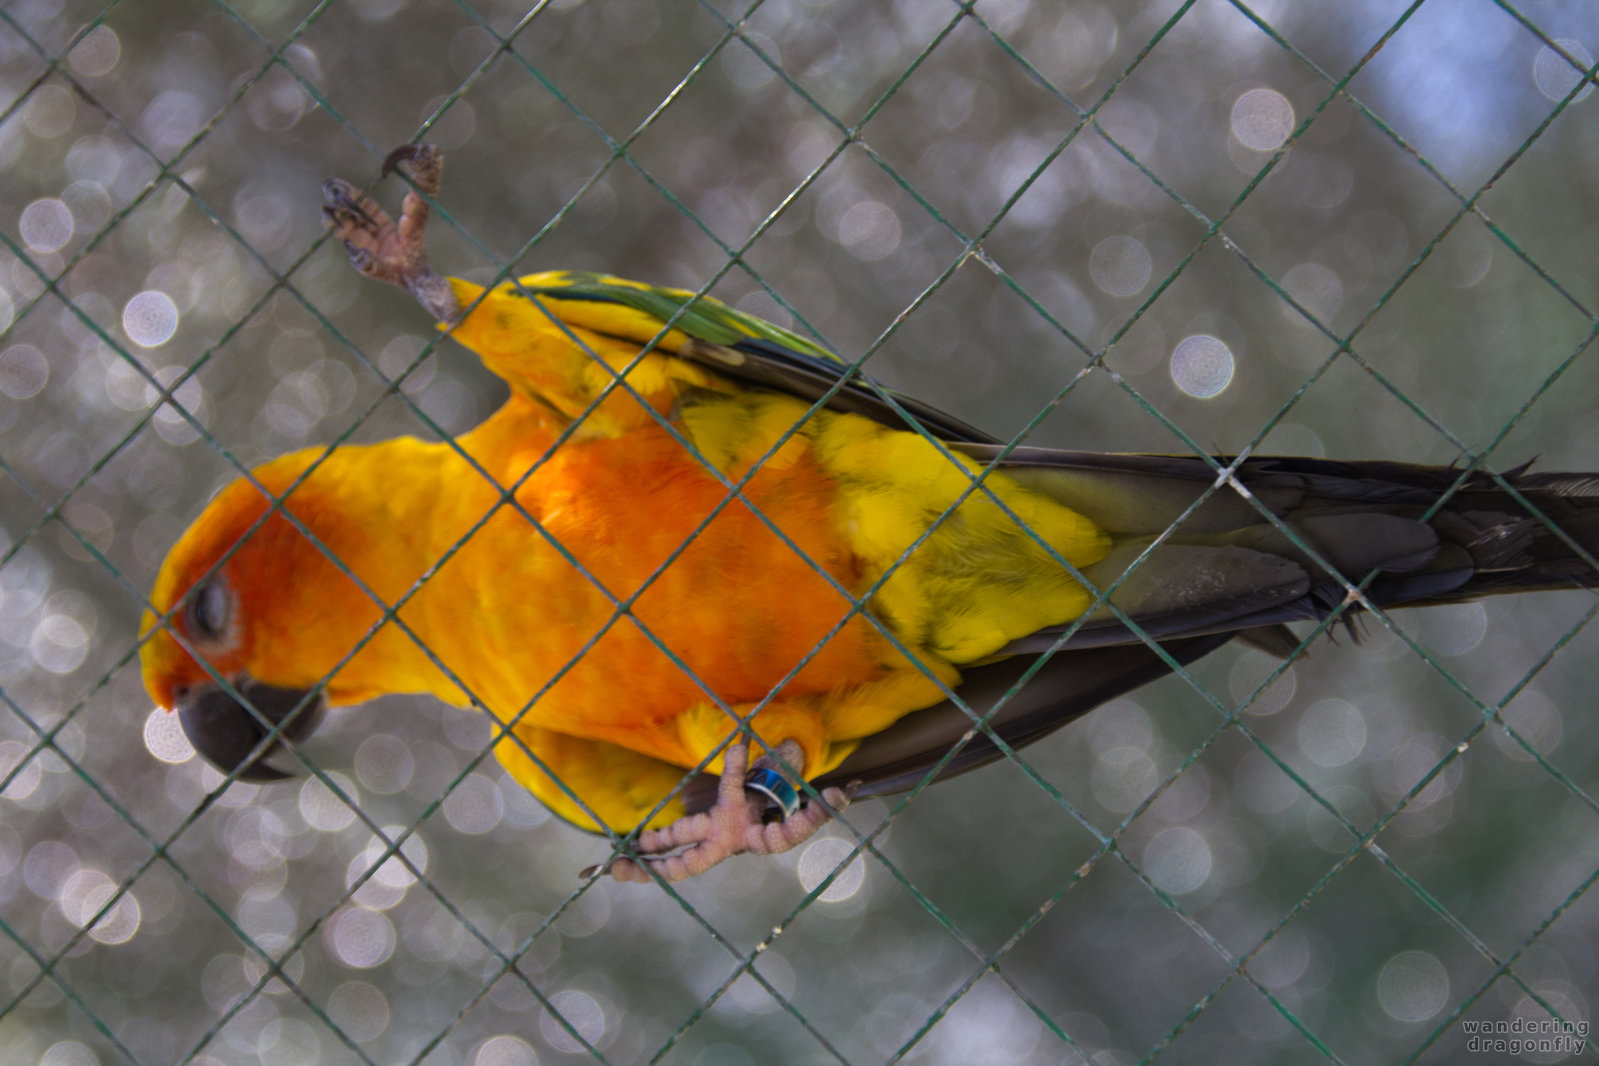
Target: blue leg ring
[[775, 787]]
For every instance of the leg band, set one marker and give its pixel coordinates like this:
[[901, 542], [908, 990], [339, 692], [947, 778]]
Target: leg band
[[775, 787]]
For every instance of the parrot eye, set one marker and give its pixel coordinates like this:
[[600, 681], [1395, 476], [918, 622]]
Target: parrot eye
[[210, 609]]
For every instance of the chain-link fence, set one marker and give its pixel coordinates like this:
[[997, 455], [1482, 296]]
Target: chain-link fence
[[1352, 229]]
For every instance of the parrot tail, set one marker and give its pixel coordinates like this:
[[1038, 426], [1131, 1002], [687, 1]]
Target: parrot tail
[[1215, 568], [1288, 537]]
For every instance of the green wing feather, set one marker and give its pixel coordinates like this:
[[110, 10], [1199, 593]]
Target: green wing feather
[[734, 344], [701, 317]]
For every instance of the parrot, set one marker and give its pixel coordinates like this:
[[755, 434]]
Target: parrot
[[713, 583]]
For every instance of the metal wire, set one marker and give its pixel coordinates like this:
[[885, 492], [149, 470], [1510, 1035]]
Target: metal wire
[[49, 965]]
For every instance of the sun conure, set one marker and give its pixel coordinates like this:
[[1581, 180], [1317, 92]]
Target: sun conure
[[689, 531]]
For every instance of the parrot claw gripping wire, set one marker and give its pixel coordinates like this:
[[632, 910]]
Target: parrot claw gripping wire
[[392, 252], [735, 824]]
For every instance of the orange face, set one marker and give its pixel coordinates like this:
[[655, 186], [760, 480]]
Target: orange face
[[243, 607], [196, 588]]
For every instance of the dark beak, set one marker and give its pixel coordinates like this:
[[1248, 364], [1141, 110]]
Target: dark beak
[[227, 732]]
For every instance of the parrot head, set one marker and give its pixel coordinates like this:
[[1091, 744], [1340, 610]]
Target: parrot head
[[247, 607]]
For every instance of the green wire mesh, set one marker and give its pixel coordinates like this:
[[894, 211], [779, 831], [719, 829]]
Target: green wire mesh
[[1208, 227]]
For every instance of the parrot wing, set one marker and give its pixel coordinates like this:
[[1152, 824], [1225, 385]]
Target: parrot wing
[[1068, 686], [735, 345]]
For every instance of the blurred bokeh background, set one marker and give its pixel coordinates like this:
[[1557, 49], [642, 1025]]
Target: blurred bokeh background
[[1360, 229]]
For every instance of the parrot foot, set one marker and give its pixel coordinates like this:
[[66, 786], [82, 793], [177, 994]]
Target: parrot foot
[[736, 824], [380, 248]]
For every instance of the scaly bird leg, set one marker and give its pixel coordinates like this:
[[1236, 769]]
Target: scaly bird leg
[[735, 824], [396, 254]]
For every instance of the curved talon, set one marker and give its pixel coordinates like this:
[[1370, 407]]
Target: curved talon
[[426, 164], [392, 161], [360, 258], [340, 198]]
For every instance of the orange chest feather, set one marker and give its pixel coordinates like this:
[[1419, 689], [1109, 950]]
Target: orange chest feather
[[638, 558]]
